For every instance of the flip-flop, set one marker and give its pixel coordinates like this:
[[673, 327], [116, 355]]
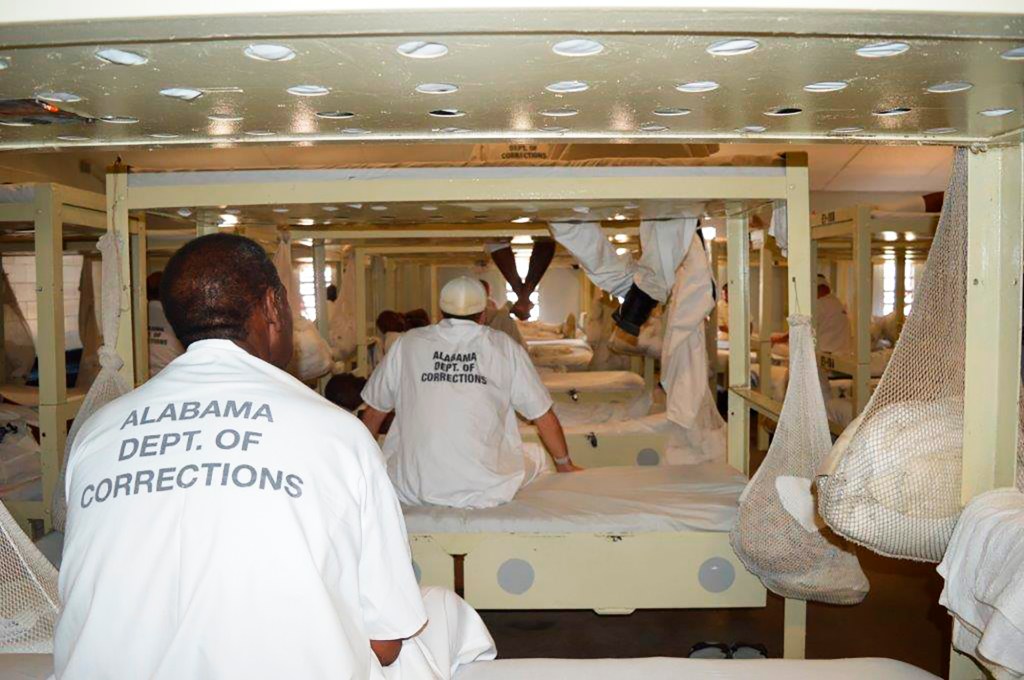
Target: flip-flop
[[710, 650], [747, 650]]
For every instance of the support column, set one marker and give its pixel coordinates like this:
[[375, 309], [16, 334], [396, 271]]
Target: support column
[[901, 284], [140, 302], [117, 223], [435, 291], [794, 635], [862, 279], [739, 335], [766, 327], [362, 348], [320, 289]]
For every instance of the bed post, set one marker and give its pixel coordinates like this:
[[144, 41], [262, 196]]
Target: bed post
[[738, 259], [362, 349], [766, 319], [862, 280], [320, 297], [901, 283], [435, 309], [140, 301], [117, 224]]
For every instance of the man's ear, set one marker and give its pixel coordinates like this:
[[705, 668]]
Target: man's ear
[[272, 306]]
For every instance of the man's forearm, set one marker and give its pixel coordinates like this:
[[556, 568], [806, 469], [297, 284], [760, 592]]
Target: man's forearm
[[549, 429], [373, 419], [386, 651]]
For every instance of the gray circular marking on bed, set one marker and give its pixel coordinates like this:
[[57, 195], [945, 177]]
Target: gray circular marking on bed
[[716, 575], [647, 457], [417, 571], [515, 576]]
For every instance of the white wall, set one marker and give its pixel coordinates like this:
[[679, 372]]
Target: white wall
[[21, 272]]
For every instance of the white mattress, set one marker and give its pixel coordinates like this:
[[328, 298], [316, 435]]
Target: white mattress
[[687, 669], [17, 193], [602, 500], [592, 381], [567, 353]]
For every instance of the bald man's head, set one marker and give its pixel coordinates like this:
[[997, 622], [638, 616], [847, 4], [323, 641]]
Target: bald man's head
[[224, 286]]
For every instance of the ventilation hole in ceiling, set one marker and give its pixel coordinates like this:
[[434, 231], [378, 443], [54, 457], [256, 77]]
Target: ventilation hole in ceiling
[[280, 211], [186, 94], [233, 211], [1014, 54], [335, 115], [15, 123], [578, 47], [121, 57], [846, 131], [308, 90], [940, 131], [184, 212], [329, 208], [698, 86], [652, 127], [378, 208], [952, 86], [895, 111], [783, 111], [752, 129], [521, 220], [72, 138], [224, 118], [567, 86], [883, 49], [557, 129], [581, 209], [58, 97], [428, 208], [630, 206], [670, 111], [996, 113], [436, 88], [451, 130], [354, 206], [418, 49], [447, 113], [5, 63], [560, 112], [355, 131], [258, 133], [268, 52], [827, 86], [163, 135], [119, 120], [730, 48]]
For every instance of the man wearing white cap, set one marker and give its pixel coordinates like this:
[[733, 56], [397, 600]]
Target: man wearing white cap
[[455, 388], [831, 322]]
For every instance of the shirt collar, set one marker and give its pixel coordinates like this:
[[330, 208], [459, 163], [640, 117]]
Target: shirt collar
[[215, 343]]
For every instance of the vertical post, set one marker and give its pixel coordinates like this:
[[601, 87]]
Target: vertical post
[[4, 292], [739, 335], [802, 296], [862, 279], [49, 246], [766, 327], [362, 347], [390, 283], [205, 225], [901, 284], [117, 223], [320, 288], [435, 308], [140, 301]]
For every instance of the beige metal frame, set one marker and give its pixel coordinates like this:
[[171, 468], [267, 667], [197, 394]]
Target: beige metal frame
[[591, 450]]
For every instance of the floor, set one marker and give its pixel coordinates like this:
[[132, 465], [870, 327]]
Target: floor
[[900, 619]]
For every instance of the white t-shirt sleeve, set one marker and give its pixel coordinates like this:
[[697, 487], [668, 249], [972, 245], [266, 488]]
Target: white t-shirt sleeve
[[381, 391], [391, 602], [529, 396]]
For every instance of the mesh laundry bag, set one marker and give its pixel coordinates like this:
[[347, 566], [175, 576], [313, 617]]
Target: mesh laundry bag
[[343, 313], [893, 478], [109, 383], [19, 349], [88, 327], [778, 535], [28, 593]]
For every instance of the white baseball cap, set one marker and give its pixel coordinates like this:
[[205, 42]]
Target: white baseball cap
[[463, 297]]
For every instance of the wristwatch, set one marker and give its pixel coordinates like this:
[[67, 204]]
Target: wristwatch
[[563, 461]]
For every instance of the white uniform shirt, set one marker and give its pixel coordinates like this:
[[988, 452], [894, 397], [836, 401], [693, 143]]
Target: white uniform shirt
[[833, 326], [164, 346], [455, 387], [225, 521]]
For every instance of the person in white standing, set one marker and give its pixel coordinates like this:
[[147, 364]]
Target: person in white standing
[[831, 322], [455, 388], [164, 346], [225, 521]]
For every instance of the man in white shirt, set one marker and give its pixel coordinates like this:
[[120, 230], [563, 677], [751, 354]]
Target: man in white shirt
[[164, 346], [831, 322], [224, 521], [455, 388]]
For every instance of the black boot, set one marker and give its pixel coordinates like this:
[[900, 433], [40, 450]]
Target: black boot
[[634, 311]]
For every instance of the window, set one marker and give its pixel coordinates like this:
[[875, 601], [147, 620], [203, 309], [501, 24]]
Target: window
[[889, 284], [522, 268], [307, 289]]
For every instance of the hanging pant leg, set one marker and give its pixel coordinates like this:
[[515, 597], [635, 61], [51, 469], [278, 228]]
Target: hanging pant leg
[[664, 244], [586, 242]]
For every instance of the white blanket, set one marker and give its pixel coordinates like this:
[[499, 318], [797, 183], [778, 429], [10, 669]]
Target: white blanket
[[984, 572], [602, 500]]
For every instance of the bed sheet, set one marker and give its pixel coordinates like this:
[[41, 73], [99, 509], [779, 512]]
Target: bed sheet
[[587, 381], [566, 353], [602, 500], [662, 668]]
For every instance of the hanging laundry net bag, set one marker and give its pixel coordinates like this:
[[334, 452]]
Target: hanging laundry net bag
[[778, 534]]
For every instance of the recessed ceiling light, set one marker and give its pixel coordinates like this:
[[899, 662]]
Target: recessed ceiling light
[[378, 208], [428, 208], [621, 238], [447, 113], [567, 86], [670, 111], [354, 206], [940, 131], [730, 48], [450, 130], [268, 52], [5, 63], [846, 130], [15, 123], [306, 222], [827, 86], [329, 208], [121, 57], [228, 220], [882, 49], [521, 220], [258, 133], [652, 127], [578, 47], [436, 88], [619, 217], [895, 111], [621, 251], [952, 86], [280, 211], [307, 90], [72, 138], [184, 212], [355, 131], [419, 49], [58, 97], [581, 209], [783, 111], [119, 120], [163, 135], [560, 112], [996, 113], [335, 115], [185, 94], [752, 129], [224, 118], [698, 86], [1014, 54]]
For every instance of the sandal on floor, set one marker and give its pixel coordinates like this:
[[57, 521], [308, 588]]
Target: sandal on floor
[[747, 650], [710, 650]]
